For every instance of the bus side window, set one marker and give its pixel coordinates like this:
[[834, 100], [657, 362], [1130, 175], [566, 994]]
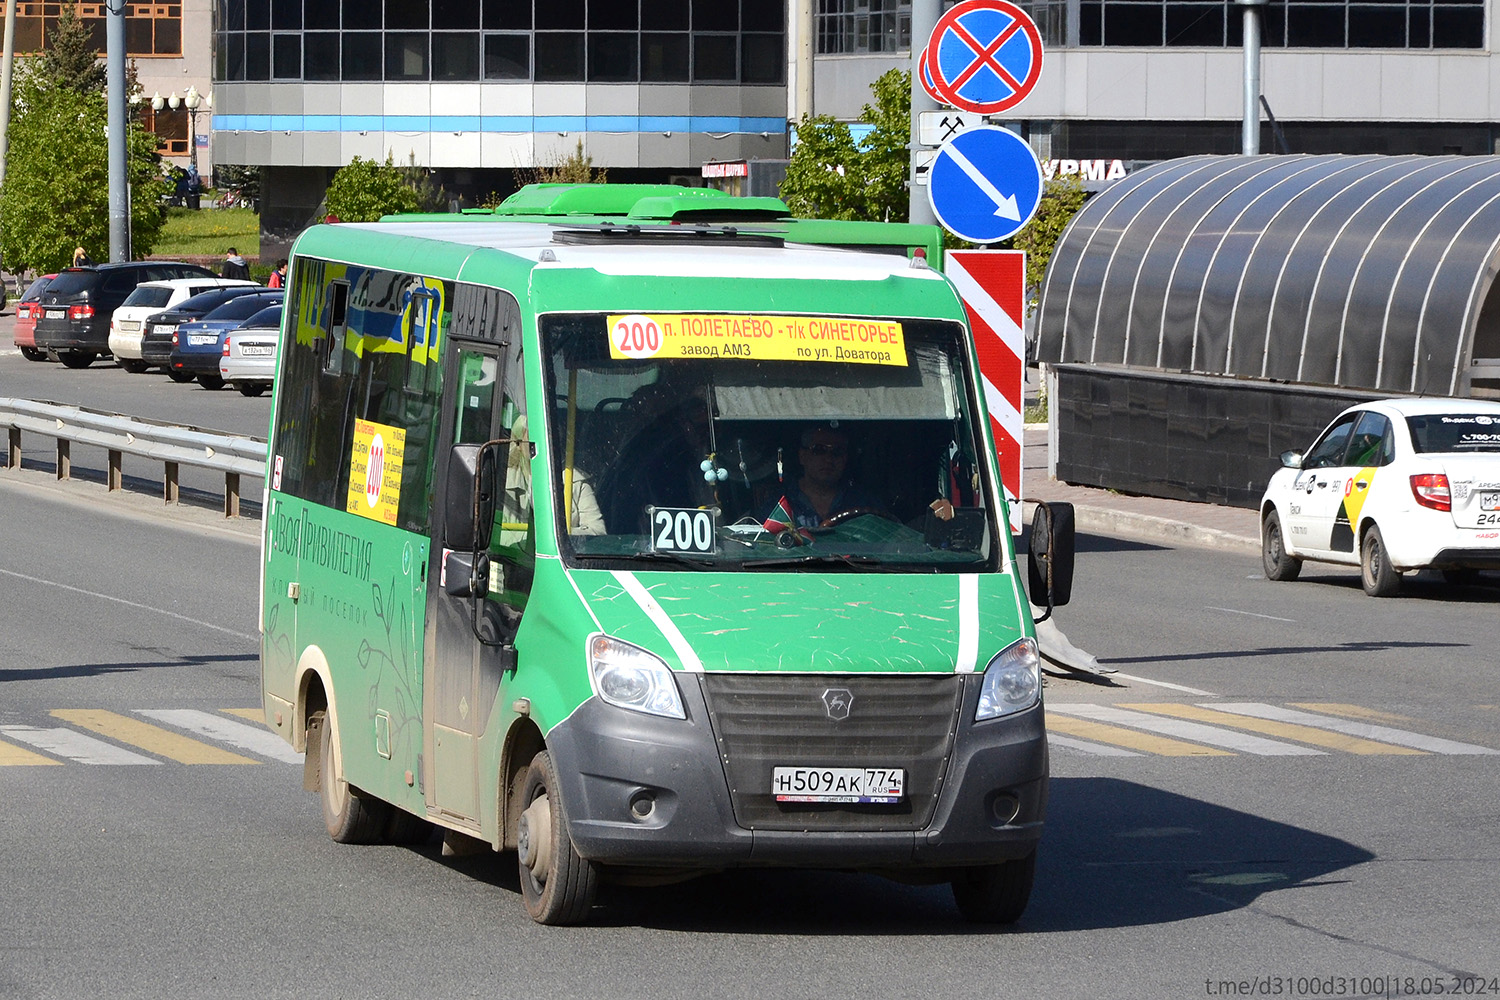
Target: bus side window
[[334, 320]]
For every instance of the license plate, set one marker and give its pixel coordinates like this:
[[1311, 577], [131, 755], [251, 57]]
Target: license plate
[[874, 785], [199, 339], [256, 351], [164, 330], [1489, 500], [56, 313], [129, 326]]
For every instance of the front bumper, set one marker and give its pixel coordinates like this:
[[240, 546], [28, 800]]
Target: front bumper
[[612, 763]]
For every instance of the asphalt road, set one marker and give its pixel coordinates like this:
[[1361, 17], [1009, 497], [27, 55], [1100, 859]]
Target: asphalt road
[[1172, 866]]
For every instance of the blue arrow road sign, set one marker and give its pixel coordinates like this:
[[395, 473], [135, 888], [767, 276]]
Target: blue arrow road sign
[[985, 184]]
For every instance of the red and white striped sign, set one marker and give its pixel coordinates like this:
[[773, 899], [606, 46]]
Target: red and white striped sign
[[992, 284]]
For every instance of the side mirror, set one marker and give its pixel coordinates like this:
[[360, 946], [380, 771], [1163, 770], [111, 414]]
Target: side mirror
[[1050, 556], [472, 495], [1291, 459]]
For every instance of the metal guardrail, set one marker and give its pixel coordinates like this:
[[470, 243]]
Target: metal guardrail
[[171, 444]]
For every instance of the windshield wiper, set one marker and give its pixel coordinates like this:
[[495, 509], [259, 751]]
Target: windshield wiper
[[676, 558], [822, 559]]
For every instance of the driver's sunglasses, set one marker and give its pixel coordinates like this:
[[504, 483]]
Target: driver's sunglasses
[[827, 450]]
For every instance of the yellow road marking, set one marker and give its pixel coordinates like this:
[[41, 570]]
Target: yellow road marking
[[161, 742], [253, 714], [14, 756], [1285, 730], [1350, 711], [1129, 738]]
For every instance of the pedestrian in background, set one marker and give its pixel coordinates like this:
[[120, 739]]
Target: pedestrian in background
[[278, 275], [81, 258], [234, 265]]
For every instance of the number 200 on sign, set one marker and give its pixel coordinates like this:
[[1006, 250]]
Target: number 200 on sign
[[636, 336]]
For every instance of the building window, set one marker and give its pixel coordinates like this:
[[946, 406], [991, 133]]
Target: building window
[[151, 29], [864, 26], [545, 41], [1296, 24]]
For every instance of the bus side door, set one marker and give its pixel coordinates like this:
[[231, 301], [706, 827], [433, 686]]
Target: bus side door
[[483, 399]]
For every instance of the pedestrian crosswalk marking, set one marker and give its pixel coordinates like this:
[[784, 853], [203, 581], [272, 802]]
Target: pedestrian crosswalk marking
[[1198, 733], [145, 736], [255, 739], [1353, 711], [1365, 730], [1144, 742], [14, 756], [1285, 730], [1097, 749], [253, 714], [74, 745]]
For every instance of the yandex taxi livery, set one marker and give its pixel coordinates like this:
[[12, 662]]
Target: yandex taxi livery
[[525, 578], [1391, 486]]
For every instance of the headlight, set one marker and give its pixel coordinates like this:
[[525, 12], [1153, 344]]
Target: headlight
[[629, 677], [1012, 681]]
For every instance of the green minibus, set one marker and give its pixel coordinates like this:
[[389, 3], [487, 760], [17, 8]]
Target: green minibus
[[649, 551]]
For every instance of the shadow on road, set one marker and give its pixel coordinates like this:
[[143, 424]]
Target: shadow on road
[[1116, 854], [1372, 646], [72, 670]]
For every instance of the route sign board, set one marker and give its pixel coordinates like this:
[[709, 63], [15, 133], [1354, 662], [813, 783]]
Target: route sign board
[[936, 127], [984, 56], [985, 184], [992, 285]]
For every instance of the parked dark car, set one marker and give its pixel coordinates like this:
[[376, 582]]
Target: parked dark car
[[156, 342], [78, 305], [198, 345]]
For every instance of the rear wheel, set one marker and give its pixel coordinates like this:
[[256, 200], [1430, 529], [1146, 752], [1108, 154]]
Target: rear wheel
[[251, 388], [32, 354], [556, 884], [210, 381], [1375, 571], [349, 817], [1273, 557], [133, 366], [177, 376], [78, 359], [995, 894]]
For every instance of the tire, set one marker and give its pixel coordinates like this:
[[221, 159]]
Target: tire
[[77, 359], [1380, 579], [213, 383], [995, 894], [1273, 557], [180, 377], [556, 884], [251, 388], [349, 816], [32, 354], [131, 365]]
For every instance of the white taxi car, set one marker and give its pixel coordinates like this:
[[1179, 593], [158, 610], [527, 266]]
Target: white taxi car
[[1390, 486]]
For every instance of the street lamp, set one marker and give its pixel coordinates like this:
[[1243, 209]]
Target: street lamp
[[192, 102]]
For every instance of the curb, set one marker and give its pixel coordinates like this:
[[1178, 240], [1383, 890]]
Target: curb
[[1112, 522]]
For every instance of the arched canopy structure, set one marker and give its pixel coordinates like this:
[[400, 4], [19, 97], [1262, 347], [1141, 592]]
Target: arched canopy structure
[[1371, 272]]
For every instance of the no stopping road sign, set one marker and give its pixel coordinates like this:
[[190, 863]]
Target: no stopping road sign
[[984, 56]]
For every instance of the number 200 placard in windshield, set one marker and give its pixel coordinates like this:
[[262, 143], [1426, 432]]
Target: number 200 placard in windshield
[[757, 338]]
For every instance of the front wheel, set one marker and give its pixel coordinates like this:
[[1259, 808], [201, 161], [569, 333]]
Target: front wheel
[[995, 894], [557, 885], [77, 359], [349, 817], [32, 354], [1379, 577], [1273, 556]]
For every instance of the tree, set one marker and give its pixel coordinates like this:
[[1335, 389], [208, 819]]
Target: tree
[[1062, 197], [830, 176], [56, 192], [575, 168], [365, 190], [69, 58]]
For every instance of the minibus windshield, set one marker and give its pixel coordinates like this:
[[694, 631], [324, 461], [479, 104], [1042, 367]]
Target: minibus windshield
[[694, 441]]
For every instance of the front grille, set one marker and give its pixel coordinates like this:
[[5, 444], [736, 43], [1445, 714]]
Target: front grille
[[763, 721]]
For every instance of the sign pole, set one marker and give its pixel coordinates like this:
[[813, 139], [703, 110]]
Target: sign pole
[[1250, 134], [924, 17]]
